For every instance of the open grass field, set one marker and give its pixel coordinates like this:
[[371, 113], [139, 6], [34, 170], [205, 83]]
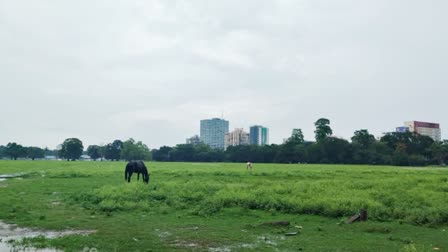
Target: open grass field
[[222, 207]]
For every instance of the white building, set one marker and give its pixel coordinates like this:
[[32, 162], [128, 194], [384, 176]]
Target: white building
[[236, 137], [425, 128]]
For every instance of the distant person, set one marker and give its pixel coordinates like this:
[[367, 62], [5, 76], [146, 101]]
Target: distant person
[[249, 166]]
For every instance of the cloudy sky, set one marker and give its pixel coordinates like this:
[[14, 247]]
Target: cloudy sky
[[102, 70]]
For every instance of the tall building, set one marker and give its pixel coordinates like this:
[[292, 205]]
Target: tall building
[[425, 128], [236, 137], [213, 132], [258, 135], [194, 140]]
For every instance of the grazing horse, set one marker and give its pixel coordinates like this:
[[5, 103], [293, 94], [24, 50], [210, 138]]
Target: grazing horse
[[136, 167], [248, 166]]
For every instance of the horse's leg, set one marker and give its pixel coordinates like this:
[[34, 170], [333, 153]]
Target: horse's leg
[[129, 177], [138, 176]]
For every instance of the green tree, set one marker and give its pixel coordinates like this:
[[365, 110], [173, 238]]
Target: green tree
[[133, 150], [14, 150], [113, 150], [183, 152], [413, 143], [2, 151], [71, 149], [336, 151], [162, 154], [204, 153], [269, 152], [400, 156], [323, 129], [439, 151], [94, 152], [102, 152], [35, 152], [296, 137], [315, 152], [238, 153], [293, 150], [378, 153], [363, 139], [291, 153]]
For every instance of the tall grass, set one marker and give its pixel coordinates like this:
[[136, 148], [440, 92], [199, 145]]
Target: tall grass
[[412, 196]]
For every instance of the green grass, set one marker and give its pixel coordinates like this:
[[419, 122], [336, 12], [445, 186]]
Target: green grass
[[220, 207]]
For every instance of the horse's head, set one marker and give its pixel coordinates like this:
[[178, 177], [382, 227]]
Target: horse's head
[[146, 178]]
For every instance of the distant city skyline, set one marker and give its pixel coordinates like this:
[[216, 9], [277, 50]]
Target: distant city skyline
[[150, 70], [195, 138], [215, 133]]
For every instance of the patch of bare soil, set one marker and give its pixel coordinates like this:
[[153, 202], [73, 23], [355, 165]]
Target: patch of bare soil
[[10, 233]]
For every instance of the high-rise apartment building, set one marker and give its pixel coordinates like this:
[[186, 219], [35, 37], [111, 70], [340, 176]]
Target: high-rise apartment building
[[236, 137], [425, 128], [258, 135], [213, 132]]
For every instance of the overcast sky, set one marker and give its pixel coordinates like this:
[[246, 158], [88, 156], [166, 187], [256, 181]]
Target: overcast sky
[[151, 70]]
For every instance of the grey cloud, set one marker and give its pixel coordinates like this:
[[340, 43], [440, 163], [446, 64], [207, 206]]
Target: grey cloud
[[102, 70]]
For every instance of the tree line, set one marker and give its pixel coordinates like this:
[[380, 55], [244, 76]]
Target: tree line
[[72, 149], [395, 148]]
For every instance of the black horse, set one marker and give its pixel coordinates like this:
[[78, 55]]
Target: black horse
[[136, 167]]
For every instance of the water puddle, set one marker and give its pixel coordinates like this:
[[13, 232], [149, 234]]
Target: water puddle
[[8, 176], [6, 247], [4, 177], [10, 233]]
